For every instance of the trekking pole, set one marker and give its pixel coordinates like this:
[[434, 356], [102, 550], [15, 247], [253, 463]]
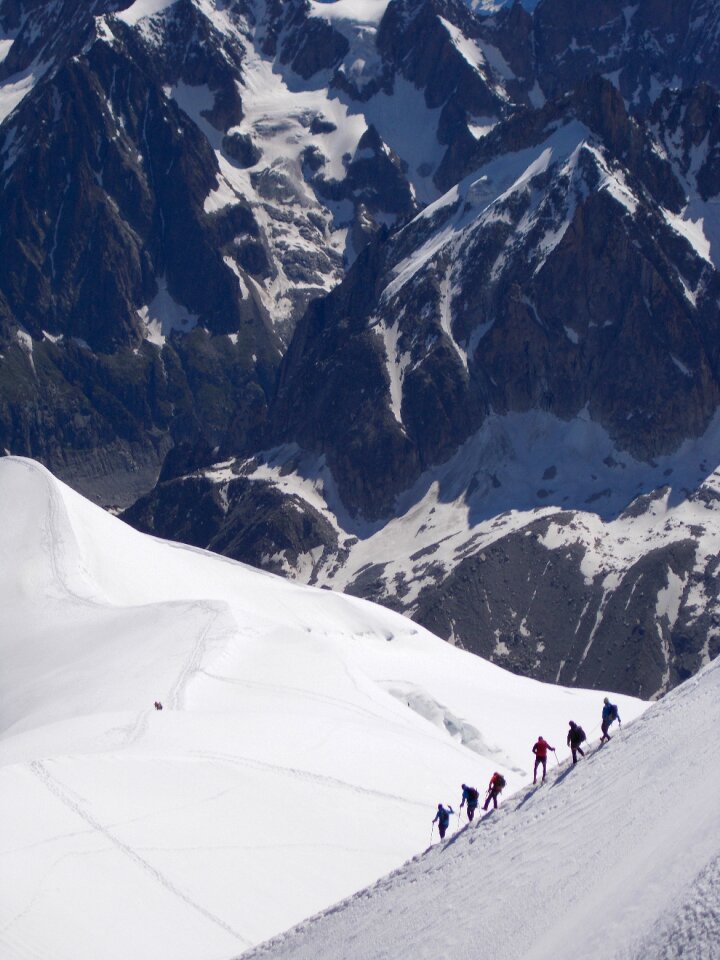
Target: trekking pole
[[432, 830], [556, 759]]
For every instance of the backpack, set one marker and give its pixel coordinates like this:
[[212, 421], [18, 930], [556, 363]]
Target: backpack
[[472, 796], [499, 782], [580, 735]]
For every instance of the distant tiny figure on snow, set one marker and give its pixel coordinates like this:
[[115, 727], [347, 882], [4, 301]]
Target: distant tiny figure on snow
[[609, 716], [158, 705], [540, 749], [495, 788], [472, 797], [576, 736], [442, 818]]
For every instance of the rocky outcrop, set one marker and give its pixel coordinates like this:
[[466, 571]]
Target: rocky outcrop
[[240, 519]]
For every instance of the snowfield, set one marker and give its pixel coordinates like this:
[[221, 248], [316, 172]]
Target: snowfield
[[618, 858], [305, 741]]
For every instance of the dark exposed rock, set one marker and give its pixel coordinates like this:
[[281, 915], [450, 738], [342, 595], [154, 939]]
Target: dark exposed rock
[[530, 609], [105, 176], [249, 521], [240, 148], [321, 125], [313, 46]]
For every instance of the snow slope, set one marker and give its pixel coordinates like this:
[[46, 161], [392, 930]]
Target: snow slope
[[617, 858], [305, 741]]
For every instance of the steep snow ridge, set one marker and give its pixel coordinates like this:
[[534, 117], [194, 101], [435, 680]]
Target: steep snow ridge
[[480, 56], [467, 47], [615, 859], [297, 723], [694, 233], [573, 173], [482, 195]]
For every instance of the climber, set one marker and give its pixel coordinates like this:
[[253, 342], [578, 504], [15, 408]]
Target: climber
[[495, 788], [609, 716], [576, 735], [540, 749], [472, 797], [442, 818]]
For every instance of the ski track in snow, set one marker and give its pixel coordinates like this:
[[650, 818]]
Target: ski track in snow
[[192, 666], [317, 779], [40, 771]]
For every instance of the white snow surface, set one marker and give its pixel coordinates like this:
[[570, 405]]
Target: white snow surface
[[17, 87], [305, 740], [163, 315], [143, 8], [5, 44], [355, 11], [616, 859], [278, 112]]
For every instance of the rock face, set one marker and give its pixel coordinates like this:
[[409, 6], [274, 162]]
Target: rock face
[[341, 268], [551, 282], [176, 186]]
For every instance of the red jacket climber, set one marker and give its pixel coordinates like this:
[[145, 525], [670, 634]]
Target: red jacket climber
[[540, 749]]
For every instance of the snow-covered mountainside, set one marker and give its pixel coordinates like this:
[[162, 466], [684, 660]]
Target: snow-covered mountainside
[[178, 179], [305, 741], [538, 545], [541, 341], [357, 240], [617, 859]]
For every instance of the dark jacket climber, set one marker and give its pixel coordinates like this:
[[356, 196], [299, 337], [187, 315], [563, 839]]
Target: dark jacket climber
[[576, 735], [609, 716], [442, 818], [472, 797]]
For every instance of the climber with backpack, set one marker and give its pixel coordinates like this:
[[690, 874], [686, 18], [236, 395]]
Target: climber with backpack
[[472, 797], [495, 788], [609, 716], [442, 818], [540, 749], [576, 736]]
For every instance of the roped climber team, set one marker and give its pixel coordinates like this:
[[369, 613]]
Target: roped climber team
[[575, 737]]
